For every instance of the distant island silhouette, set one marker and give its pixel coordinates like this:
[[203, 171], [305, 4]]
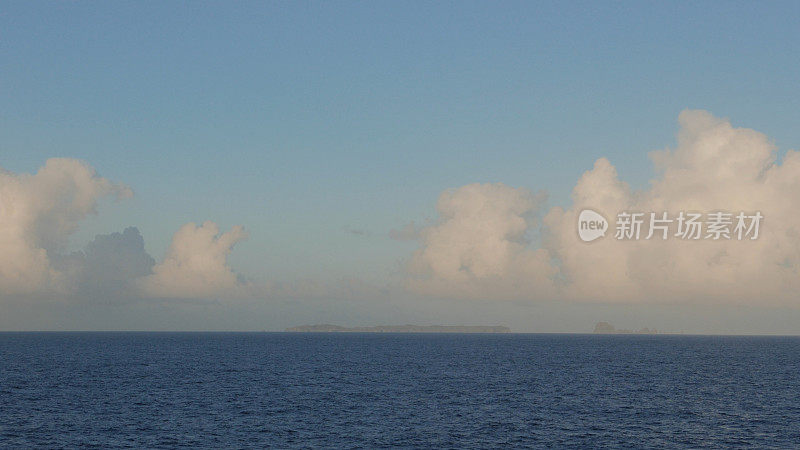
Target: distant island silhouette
[[607, 328], [327, 328]]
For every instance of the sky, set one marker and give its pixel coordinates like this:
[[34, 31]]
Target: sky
[[259, 165]]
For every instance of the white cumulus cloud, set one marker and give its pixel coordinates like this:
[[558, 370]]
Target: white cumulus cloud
[[476, 248], [195, 265], [38, 213], [715, 167]]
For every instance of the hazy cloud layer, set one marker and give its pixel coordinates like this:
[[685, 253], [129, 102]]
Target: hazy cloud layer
[[475, 249], [409, 232], [357, 231]]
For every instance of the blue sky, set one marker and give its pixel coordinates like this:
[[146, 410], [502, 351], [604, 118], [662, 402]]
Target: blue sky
[[302, 120]]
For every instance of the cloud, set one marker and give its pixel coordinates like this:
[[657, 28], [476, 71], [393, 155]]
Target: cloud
[[357, 232], [490, 241], [714, 167], [111, 263], [476, 245], [409, 232], [38, 213], [477, 249], [195, 265]]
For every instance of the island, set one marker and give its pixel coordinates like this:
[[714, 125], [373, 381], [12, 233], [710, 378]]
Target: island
[[327, 328], [607, 328]]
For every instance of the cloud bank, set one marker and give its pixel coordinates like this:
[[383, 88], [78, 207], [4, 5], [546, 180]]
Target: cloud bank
[[490, 241], [475, 249], [38, 214]]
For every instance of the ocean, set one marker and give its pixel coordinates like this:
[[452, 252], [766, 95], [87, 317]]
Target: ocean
[[309, 390]]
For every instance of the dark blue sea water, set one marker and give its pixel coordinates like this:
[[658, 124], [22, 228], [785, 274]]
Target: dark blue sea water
[[167, 390]]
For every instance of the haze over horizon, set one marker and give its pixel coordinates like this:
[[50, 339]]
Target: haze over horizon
[[163, 169]]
